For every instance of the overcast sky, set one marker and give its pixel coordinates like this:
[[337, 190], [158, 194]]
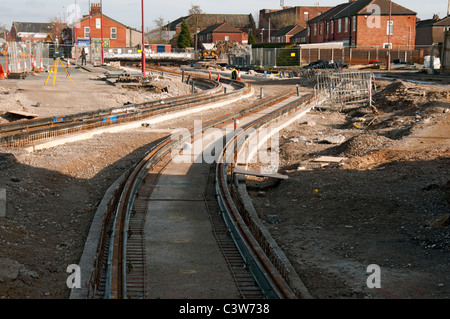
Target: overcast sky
[[128, 12]]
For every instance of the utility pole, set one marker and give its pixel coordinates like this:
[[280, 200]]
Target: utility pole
[[101, 29], [143, 41], [389, 36]]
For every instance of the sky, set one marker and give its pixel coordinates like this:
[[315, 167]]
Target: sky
[[128, 12]]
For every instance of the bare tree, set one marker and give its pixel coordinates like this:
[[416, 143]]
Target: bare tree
[[160, 24], [195, 9]]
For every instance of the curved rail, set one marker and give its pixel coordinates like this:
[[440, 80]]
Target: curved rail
[[263, 263], [21, 133]]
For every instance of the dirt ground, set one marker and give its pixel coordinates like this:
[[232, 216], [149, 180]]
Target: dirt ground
[[381, 207], [387, 203], [52, 194]]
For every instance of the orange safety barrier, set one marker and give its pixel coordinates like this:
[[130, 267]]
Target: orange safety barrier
[[2, 72]]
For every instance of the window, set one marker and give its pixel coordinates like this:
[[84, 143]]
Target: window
[[390, 28], [346, 24], [309, 31], [315, 29], [98, 23], [320, 28], [87, 32], [328, 27], [306, 15], [354, 23], [113, 33], [227, 38], [339, 26]]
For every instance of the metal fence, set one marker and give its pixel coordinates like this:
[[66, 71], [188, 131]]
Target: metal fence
[[343, 88], [18, 57], [304, 55]]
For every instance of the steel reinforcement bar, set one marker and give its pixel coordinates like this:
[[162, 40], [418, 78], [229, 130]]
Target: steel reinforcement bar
[[23, 133], [262, 261]]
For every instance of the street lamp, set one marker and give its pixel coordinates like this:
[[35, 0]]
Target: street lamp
[[143, 41], [101, 29], [389, 36]]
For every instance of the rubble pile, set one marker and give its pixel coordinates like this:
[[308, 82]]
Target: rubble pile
[[232, 47]]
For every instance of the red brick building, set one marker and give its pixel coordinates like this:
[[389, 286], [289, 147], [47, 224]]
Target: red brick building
[[273, 20], [365, 23], [115, 34], [222, 32], [284, 34]]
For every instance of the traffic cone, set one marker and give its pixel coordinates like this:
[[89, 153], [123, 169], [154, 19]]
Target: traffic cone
[[9, 68], [239, 75], [68, 63], [41, 67], [19, 70], [25, 66], [2, 72], [34, 64]]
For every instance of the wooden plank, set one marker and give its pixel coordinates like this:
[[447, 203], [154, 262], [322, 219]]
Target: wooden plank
[[261, 174], [23, 114], [330, 159]]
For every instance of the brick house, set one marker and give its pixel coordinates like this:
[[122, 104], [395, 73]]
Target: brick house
[[431, 31], [222, 32], [31, 31], [243, 22], [284, 34], [115, 34], [365, 23], [273, 20]]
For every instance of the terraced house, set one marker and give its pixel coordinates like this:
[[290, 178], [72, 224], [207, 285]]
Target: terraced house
[[365, 23]]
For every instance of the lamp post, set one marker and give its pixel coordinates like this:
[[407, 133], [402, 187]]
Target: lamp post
[[143, 41], [389, 36]]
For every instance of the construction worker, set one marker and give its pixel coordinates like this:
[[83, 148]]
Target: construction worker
[[83, 56], [234, 74]]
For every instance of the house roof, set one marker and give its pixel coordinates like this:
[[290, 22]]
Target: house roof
[[240, 21], [105, 16], [288, 30], [327, 14], [221, 28], [33, 27], [300, 34], [359, 7]]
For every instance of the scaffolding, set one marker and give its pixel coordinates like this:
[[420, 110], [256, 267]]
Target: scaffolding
[[340, 89]]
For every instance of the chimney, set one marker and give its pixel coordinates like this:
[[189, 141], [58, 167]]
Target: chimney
[[95, 8]]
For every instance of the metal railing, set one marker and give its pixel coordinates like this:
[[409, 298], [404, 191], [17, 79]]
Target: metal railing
[[339, 89]]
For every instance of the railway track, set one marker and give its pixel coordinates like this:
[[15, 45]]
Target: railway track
[[120, 271]]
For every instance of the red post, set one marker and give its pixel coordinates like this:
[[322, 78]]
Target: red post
[[389, 36], [143, 42]]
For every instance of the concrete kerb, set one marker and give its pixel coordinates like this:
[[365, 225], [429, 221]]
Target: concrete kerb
[[240, 183], [132, 125], [91, 247]]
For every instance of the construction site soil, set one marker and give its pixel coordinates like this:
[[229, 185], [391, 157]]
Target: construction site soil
[[388, 203]]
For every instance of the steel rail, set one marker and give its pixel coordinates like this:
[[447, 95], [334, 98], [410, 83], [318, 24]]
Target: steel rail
[[116, 261], [265, 267], [25, 132]]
